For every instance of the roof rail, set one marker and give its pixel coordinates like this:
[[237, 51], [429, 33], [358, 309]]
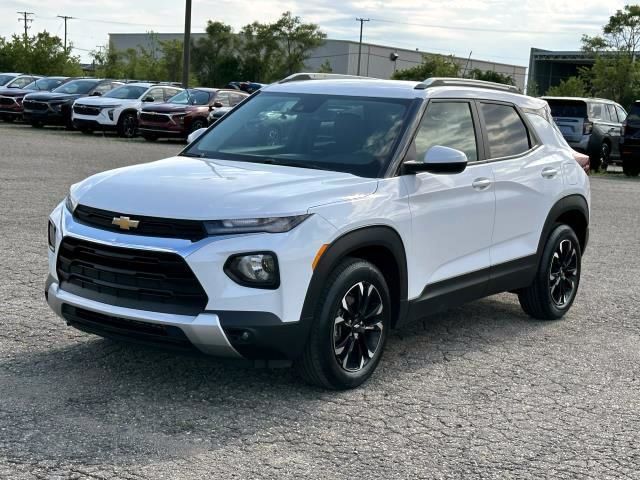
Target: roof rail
[[298, 77], [465, 82]]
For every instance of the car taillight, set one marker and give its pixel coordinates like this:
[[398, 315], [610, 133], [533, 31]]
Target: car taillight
[[587, 128], [623, 129]]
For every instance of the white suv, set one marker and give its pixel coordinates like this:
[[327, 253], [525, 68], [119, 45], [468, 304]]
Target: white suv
[[118, 109], [318, 215]]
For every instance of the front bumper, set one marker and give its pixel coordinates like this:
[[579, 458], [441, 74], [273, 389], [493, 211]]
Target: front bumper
[[46, 117], [100, 121], [86, 124], [204, 331]]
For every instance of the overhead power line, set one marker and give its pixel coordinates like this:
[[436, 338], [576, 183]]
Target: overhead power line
[[25, 18], [65, 18]]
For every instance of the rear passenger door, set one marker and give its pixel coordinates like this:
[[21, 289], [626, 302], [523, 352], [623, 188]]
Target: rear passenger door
[[452, 214], [528, 182]]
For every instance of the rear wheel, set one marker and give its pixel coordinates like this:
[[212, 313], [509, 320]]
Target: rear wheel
[[554, 289], [349, 329], [605, 154], [631, 169], [127, 125]]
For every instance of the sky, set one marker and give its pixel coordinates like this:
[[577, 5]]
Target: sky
[[498, 30]]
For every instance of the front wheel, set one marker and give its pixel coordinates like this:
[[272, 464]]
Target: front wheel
[[127, 125], [349, 328], [554, 289]]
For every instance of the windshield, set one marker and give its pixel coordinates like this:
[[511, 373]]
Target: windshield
[[4, 79], [354, 135], [128, 92], [44, 84], [77, 86], [568, 108], [193, 97]]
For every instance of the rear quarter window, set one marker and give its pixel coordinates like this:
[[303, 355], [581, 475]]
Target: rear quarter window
[[506, 132], [568, 108]]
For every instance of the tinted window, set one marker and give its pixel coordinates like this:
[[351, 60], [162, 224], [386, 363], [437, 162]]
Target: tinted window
[[191, 97], [170, 92], [622, 115], [107, 87], [356, 135], [45, 84], [223, 98], [4, 79], [506, 132], [128, 92], [634, 113], [236, 98], [568, 108], [77, 86], [598, 111], [447, 125]]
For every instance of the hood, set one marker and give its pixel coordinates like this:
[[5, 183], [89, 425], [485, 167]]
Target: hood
[[14, 92], [204, 189], [101, 101], [51, 96], [171, 108]]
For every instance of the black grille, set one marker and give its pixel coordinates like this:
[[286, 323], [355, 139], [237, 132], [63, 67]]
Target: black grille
[[6, 101], [86, 110], [32, 105], [152, 117], [149, 226], [140, 279], [123, 328]]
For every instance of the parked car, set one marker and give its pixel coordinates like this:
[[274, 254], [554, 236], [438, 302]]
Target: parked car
[[118, 109], [591, 126], [382, 201], [184, 113], [6, 78], [54, 108], [21, 81], [630, 142], [248, 87], [11, 98]]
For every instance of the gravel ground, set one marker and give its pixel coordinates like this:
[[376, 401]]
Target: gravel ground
[[479, 392]]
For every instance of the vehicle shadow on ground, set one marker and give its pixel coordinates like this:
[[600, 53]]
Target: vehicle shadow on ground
[[97, 398]]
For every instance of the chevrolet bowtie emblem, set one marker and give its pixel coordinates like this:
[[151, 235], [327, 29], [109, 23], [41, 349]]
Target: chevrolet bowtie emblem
[[125, 223]]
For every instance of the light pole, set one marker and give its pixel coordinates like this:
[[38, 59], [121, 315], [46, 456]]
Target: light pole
[[186, 49], [65, 18], [394, 58], [361, 20]]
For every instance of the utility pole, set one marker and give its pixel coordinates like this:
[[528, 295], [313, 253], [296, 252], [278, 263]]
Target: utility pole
[[65, 18], [361, 20], [26, 20], [186, 48]]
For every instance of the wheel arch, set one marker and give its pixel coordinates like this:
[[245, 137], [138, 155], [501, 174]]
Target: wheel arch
[[126, 111], [380, 245], [572, 210]]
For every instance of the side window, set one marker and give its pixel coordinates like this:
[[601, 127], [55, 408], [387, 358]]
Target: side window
[[506, 132], [22, 82], [597, 111], [170, 92], [223, 98], [103, 88], [448, 124], [157, 94], [612, 113], [236, 98], [622, 115]]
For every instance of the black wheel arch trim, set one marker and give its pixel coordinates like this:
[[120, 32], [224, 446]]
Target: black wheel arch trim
[[570, 203]]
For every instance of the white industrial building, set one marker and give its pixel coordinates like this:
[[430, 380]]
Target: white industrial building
[[342, 55]]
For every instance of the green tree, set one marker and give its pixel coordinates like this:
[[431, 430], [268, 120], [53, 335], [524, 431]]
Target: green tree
[[325, 67], [571, 87], [490, 76], [172, 59], [213, 57], [615, 73], [296, 40], [431, 66], [42, 54], [109, 63], [258, 51]]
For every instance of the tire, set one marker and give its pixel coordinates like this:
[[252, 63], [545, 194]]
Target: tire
[[334, 356], [149, 138], [197, 124], [560, 265], [127, 125], [631, 170], [605, 154]]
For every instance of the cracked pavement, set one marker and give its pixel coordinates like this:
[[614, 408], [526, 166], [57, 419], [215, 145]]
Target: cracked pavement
[[480, 391]]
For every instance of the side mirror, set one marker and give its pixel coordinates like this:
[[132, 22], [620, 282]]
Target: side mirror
[[148, 99], [217, 104], [96, 94], [193, 136], [439, 159]]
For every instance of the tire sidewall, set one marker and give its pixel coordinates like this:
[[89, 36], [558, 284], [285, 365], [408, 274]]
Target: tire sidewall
[[322, 336], [559, 233]]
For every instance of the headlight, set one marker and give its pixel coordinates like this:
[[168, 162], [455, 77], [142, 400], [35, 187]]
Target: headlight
[[254, 225], [52, 236], [70, 203], [257, 270], [56, 107]]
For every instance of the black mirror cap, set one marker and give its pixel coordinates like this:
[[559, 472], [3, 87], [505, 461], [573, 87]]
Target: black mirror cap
[[148, 98], [96, 94], [413, 166]]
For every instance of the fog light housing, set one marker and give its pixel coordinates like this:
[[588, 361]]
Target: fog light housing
[[52, 236], [255, 270], [110, 114]]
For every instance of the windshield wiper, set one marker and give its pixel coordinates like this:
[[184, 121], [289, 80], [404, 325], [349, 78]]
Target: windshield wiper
[[194, 155]]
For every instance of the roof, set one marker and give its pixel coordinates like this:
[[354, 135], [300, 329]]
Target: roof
[[579, 99], [364, 87]]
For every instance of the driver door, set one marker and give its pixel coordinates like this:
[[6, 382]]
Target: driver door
[[452, 214]]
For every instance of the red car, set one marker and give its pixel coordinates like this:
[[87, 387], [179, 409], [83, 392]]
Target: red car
[[11, 98], [184, 112]]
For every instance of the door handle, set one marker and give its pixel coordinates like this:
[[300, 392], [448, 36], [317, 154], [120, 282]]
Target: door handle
[[550, 172], [481, 183]]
